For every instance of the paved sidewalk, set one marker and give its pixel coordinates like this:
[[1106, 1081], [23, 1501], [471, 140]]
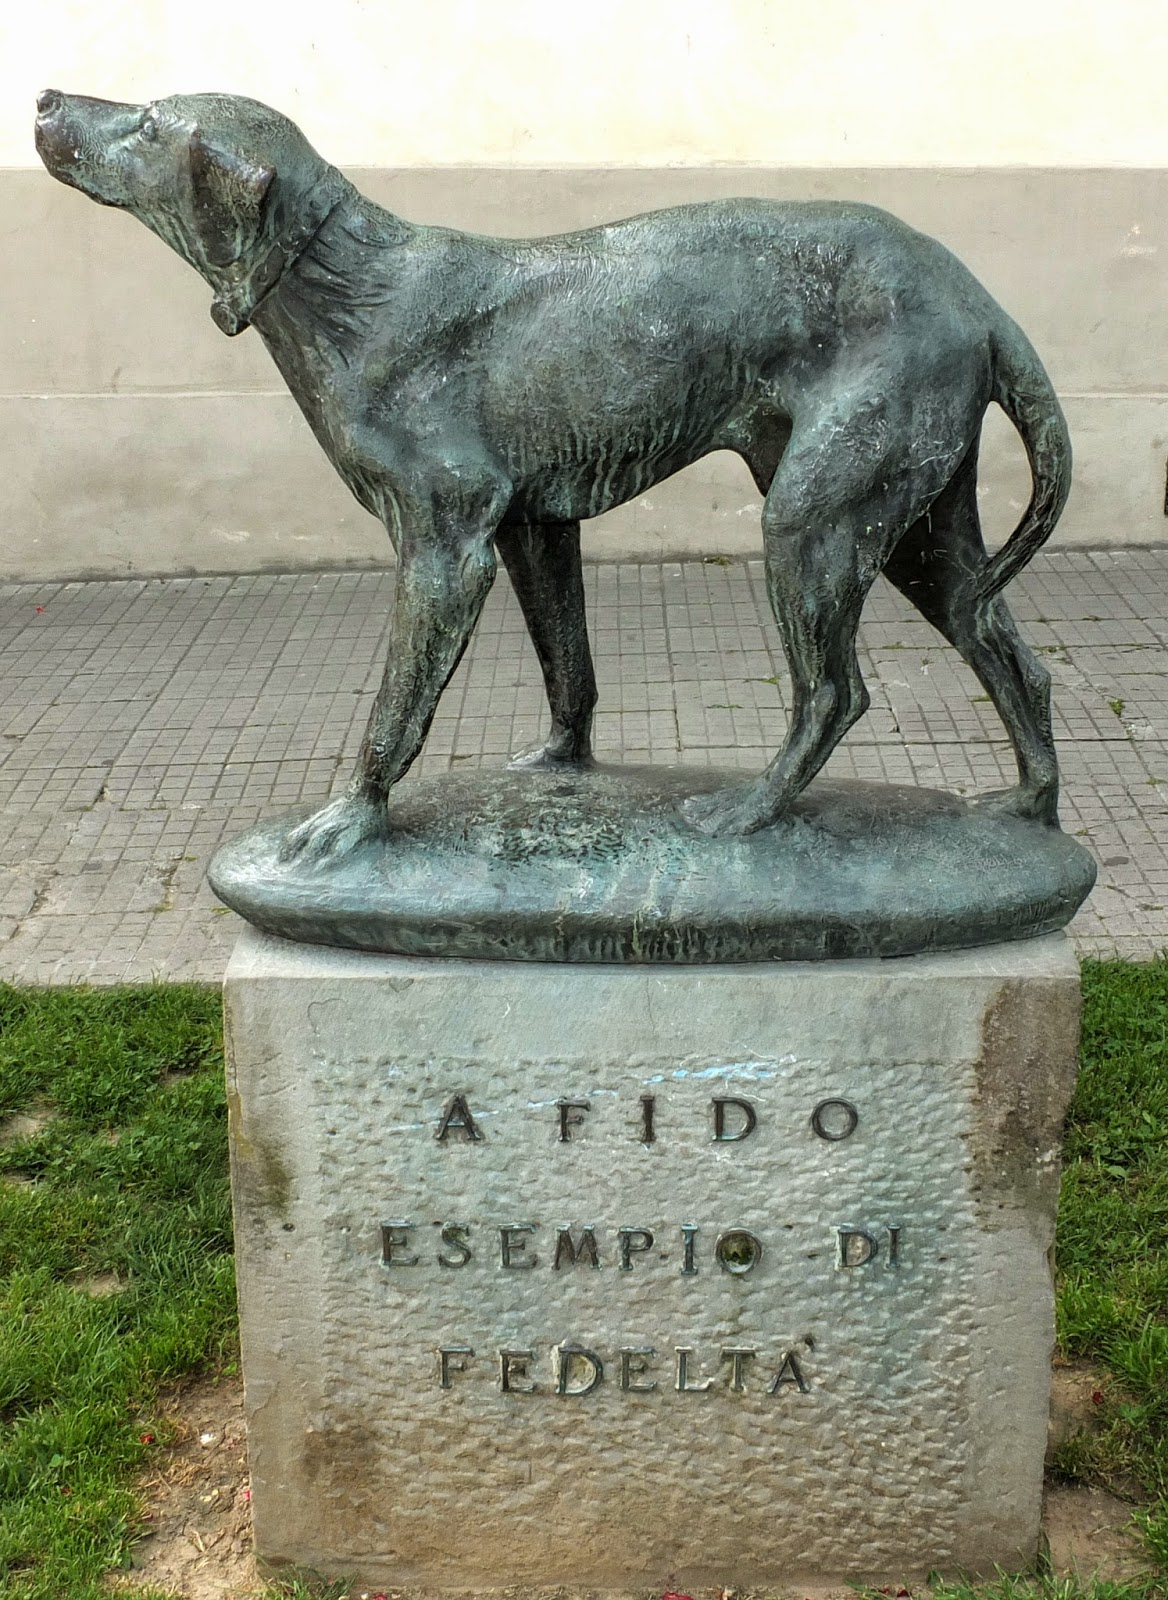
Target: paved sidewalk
[[144, 721]]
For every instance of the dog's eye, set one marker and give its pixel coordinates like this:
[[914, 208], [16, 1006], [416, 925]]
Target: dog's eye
[[148, 130]]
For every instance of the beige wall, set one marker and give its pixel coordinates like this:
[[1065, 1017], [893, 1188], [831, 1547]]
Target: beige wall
[[635, 82], [1030, 137]]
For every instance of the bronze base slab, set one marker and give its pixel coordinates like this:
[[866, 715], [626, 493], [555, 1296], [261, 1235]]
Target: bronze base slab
[[600, 865]]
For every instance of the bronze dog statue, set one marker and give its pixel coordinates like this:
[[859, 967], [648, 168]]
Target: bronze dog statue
[[479, 394]]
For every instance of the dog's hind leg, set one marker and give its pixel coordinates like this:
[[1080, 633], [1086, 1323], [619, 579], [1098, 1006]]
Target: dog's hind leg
[[936, 566], [543, 561], [846, 490]]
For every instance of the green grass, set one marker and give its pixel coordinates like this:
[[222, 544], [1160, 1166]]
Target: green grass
[[128, 1176], [1045, 1586], [1113, 1235]]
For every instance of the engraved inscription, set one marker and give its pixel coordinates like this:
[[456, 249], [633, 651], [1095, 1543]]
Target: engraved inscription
[[682, 1376], [738, 1251], [571, 1116], [739, 1355], [457, 1118], [568, 1253], [513, 1250], [743, 1119], [448, 1362], [575, 1369], [790, 1373], [689, 1237], [633, 1363], [835, 1120], [711, 1251], [454, 1234], [513, 1371], [733, 1119], [395, 1241], [648, 1104], [633, 1241], [859, 1247]]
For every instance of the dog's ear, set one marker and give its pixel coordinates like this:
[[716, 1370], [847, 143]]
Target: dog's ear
[[229, 195]]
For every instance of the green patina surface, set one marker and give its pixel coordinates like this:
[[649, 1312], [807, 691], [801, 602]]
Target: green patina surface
[[601, 865]]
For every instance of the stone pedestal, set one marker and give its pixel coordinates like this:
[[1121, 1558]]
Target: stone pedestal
[[629, 1276]]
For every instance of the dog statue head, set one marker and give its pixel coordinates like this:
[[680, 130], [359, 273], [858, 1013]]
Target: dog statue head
[[231, 185]]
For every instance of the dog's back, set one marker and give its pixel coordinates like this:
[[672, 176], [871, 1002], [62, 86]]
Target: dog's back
[[591, 365]]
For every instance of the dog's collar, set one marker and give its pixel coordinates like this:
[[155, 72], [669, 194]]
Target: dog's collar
[[237, 301]]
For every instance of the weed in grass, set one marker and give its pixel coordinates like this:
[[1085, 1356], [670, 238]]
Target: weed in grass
[[1153, 1524], [302, 1589]]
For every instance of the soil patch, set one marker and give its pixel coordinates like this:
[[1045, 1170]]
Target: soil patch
[[199, 1546], [1077, 1392], [1090, 1534], [26, 1124]]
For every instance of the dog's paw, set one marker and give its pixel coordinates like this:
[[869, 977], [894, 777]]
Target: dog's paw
[[336, 830], [1028, 804], [556, 753], [743, 809]]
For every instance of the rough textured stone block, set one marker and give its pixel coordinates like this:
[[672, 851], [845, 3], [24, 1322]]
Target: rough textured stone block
[[741, 1273]]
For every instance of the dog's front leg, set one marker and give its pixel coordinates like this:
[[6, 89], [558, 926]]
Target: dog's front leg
[[443, 578]]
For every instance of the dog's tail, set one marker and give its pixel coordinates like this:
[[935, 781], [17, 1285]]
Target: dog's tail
[[1023, 390]]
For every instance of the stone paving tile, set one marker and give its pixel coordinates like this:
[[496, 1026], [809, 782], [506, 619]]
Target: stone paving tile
[[145, 721]]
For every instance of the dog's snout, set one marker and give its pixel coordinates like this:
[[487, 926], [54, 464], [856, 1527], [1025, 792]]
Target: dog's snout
[[74, 135]]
